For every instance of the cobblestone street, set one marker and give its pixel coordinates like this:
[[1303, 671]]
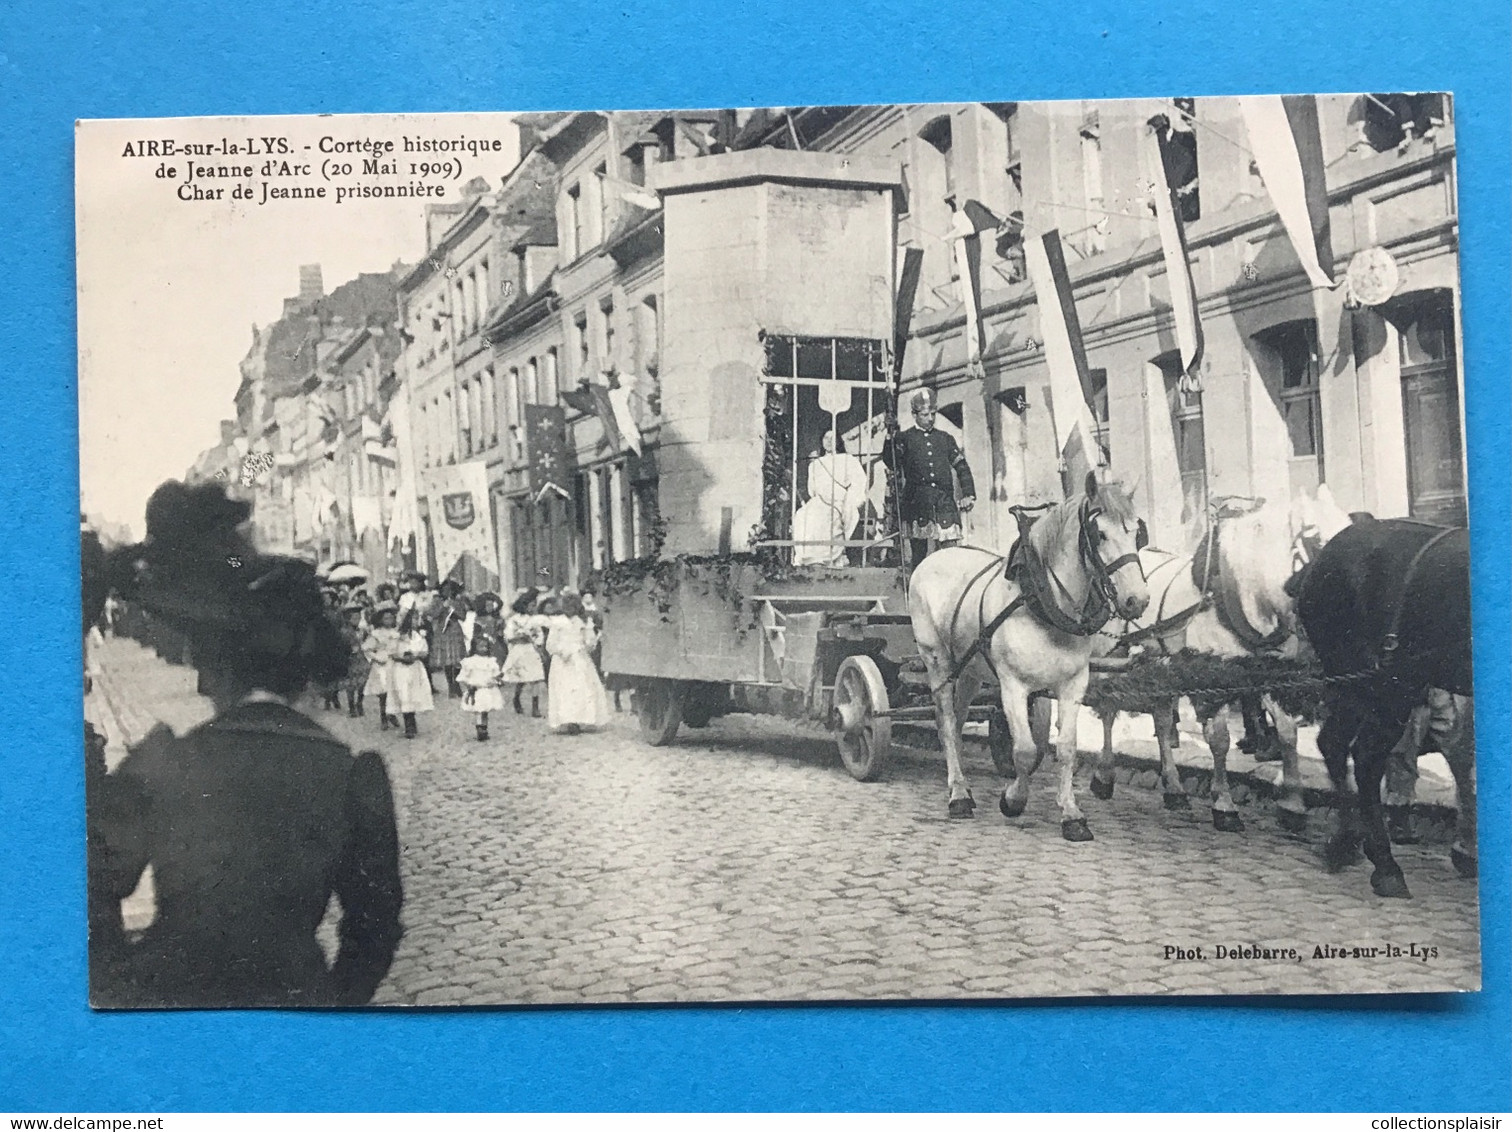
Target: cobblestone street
[[742, 863]]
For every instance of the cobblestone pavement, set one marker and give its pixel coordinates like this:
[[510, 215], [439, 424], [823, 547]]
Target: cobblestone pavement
[[743, 863]]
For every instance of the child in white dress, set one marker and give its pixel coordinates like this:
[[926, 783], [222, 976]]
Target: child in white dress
[[411, 681], [378, 647], [479, 677], [575, 696]]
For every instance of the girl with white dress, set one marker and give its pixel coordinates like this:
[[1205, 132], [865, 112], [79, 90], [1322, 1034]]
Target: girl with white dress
[[378, 646], [411, 680], [575, 696], [522, 663], [479, 678]]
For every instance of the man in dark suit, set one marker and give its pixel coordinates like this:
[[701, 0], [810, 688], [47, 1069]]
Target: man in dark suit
[[929, 465]]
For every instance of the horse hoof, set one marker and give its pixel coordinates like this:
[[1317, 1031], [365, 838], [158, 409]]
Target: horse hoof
[[1101, 789], [1076, 830], [1177, 801], [1292, 821], [1389, 884], [962, 807], [1011, 807], [1226, 821], [1341, 852], [1464, 863]]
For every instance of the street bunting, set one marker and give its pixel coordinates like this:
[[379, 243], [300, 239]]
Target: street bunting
[[1288, 148], [1065, 354], [1178, 259]]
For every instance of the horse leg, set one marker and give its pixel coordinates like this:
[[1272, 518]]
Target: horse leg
[[960, 804], [1372, 746], [1401, 776], [1102, 773], [1335, 738], [1291, 810], [1459, 752], [1015, 701], [1069, 697], [1039, 727], [1175, 795], [1215, 730]]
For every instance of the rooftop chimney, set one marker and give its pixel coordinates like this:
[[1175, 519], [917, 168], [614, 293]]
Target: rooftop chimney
[[311, 289]]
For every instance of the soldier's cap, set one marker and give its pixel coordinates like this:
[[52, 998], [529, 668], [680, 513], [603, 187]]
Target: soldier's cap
[[922, 399]]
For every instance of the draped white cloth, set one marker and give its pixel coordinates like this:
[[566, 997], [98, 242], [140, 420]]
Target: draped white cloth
[[837, 486]]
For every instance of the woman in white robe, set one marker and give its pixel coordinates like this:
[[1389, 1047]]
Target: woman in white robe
[[836, 488]]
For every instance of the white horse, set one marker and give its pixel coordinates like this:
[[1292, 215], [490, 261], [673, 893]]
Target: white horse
[[1031, 630], [1228, 599]]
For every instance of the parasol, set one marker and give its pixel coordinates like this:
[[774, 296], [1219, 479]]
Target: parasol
[[347, 573]]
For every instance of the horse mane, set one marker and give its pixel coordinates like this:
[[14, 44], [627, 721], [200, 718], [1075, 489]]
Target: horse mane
[[1050, 530]]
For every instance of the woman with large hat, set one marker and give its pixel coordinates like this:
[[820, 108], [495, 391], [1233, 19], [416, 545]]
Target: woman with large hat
[[252, 821]]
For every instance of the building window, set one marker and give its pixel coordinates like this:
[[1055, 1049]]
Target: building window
[[465, 419], [1094, 238], [425, 446], [1184, 172], [1190, 435], [469, 303], [514, 399], [490, 407], [1430, 407], [532, 382], [575, 222], [606, 310], [605, 201], [522, 272], [1389, 121], [451, 426], [940, 135], [484, 294], [648, 336], [1101, 421], [1287, 356], [584, 350], [552, 377]]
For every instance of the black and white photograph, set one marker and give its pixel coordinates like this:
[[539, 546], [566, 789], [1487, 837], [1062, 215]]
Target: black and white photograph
[[934, 552]]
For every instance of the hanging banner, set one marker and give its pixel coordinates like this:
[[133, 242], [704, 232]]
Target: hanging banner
[[460, 522]]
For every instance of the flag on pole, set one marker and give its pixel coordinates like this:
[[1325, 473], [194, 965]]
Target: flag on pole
[[598, 399], [546, 450], [1065, 354], [1178, 260], [971, 220], [1284, 137], [908, 291]]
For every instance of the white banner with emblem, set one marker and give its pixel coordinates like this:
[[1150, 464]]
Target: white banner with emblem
[[461, 524]]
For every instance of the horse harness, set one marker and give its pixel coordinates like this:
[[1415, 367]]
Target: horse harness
[[1391, 641], [1230, 613], [1034, 577]]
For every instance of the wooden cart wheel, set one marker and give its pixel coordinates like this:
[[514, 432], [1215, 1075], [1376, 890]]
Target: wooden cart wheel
[[863, 734], [659, 705], [1000, 743]]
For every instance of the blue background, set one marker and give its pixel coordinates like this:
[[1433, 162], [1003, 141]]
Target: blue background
[[280, 56]]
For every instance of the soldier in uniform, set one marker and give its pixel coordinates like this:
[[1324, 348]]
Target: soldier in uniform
[[929, 465]]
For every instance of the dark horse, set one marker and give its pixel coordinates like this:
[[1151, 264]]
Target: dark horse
[[1386, 606]]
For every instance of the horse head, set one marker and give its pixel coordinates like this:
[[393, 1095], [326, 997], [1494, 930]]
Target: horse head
[[1314, 520], [1257, 551], [1114, 534]]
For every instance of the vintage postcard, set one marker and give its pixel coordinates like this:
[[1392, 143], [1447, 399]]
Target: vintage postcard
[[961, 551]]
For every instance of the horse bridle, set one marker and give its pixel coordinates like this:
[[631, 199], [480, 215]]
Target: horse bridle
[[1088, 623], [1102, 572]]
